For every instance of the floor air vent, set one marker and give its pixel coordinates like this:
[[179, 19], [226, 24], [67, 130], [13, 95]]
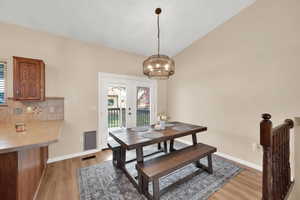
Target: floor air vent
[[89, 140], [88, 158]]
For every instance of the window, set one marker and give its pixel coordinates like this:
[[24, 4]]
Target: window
[[143, 106], [2, 83]]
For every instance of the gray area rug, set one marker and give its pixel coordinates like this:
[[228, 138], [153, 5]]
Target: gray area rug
[[104, 182]]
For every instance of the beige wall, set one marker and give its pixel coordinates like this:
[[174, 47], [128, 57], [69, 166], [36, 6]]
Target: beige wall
[[247, 66], [71, 72]]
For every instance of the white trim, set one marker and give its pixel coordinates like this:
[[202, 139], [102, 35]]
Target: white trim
[[64, 157], [102, 78], [229, 157]]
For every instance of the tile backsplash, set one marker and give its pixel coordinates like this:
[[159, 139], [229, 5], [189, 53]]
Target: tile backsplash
[[16, 111]]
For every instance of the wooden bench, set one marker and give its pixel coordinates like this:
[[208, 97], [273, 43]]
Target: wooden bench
[[156, 168], [115, 147]]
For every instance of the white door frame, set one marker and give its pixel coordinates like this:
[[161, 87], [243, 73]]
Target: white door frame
[[104, 77]]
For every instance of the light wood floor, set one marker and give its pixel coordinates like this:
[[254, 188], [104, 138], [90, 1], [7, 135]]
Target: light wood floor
[[60, 182]]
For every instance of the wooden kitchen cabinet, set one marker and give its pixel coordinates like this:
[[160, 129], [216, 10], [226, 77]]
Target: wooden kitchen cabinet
[[24, 156], [29, 79], [22, 172]]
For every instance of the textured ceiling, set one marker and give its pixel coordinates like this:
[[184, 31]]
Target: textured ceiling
[[128, 25]]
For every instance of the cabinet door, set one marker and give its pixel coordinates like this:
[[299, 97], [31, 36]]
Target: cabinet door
[[29, 79]]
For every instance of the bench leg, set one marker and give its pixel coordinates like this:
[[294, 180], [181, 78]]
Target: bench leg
[[207, 168], [156, 189], [140, 183], [121, 158], [115, 157], [140, 160], [145, 185], [116, 153]]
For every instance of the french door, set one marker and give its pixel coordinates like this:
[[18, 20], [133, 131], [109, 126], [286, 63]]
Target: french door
[[124, 102]]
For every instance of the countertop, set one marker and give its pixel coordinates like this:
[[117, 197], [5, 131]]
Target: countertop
[[38, 133]]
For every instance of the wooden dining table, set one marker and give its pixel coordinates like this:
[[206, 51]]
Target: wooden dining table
[[137, 138]]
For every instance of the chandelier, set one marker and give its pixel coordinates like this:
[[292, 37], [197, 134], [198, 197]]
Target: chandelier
[[158, 66]]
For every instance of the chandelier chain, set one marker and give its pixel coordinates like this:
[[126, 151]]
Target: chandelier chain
[[158, 36]]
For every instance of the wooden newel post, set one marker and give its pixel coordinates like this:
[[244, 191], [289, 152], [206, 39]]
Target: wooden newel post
[[266, 142]]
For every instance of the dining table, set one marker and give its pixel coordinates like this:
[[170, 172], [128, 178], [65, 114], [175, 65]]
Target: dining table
[[137, 138]]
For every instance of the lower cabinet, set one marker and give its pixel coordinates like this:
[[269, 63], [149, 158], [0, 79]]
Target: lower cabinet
[[21, 173]]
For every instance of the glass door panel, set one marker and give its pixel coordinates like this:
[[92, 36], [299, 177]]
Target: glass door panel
[[143, 106], [116, 107]]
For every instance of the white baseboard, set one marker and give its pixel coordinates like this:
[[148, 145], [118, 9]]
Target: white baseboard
[[64, 157], [243, 162], [229, 157]]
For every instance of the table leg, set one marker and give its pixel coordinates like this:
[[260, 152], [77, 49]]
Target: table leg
[[165, 147], [194, 138], [159, 146], [197, 163], [140, 160], [172, 145]]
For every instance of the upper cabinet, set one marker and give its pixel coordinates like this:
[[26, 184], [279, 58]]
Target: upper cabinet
[[29, 79]]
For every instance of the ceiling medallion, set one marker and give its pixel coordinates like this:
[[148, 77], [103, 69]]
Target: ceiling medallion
[[158, 66]]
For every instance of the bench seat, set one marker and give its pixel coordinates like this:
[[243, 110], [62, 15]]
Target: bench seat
[[112, 144], [155, 168]]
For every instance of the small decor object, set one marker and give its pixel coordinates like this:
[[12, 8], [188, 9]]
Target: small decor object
[[162, 124], [158, 66], [162, 118], [20, 127], [157, 127]]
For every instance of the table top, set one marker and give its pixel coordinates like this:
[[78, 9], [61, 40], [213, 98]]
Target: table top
[[132, 138], [38, 133]]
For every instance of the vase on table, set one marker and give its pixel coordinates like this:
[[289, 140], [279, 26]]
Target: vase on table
[[162, 124]]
